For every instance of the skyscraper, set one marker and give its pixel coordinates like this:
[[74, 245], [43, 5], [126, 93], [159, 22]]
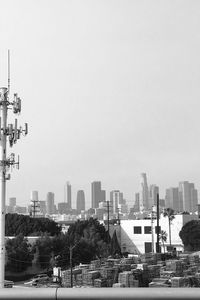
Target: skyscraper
[[80, 201], [50, 203], [144, 193], [68, 194], [116, 199], [172, 199], [188, 196], [96, 194], [153, 192]]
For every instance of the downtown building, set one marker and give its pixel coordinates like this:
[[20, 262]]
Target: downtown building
[[98, 195], [80, 201], [182, 198]]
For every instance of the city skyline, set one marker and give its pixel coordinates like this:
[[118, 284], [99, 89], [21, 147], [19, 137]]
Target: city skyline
[[110, 89]]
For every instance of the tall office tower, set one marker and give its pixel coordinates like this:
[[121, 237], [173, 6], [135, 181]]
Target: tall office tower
[[188, 196], [144, 193], [50, 203], [80, 201], [116, 199], [96, 194], [172, 199], [136, 207], [43, 207], [34, 203], [153, 192], [68, 194], [63, 208], [103, 196]]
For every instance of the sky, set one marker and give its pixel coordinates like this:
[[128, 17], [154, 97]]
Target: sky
[[110, 89]]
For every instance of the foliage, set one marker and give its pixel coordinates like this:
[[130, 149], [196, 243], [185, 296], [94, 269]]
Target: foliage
[[19, 254], [115, 247], [88, 240], [190, 235], [169, 213], [163, 238], [19, 224]]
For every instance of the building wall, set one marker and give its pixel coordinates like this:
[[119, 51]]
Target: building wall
[[135, 243]]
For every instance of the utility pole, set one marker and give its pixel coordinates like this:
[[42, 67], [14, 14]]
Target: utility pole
[[158, 227], [108, 210], [13, 133]]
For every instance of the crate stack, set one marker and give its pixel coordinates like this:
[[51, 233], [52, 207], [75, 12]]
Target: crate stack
[[127, 279], [108, 274], [95, 264], [153, 271], [66, 278], [100, 282], [178, 282], [175, 266], [89, 277]]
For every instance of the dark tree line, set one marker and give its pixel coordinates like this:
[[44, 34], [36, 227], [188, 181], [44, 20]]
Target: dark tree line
[[89, 240], [25, 225]]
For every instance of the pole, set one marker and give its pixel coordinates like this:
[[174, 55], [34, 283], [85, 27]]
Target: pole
[[158, 227], [108, 208], [152, 233], [3, 104], [70, 258]]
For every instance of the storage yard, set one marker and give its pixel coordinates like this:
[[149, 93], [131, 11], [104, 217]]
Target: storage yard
[[146, 270]]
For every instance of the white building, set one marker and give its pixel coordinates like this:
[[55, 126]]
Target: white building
[[135, 236]]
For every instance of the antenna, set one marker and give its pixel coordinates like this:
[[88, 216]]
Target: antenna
[[8, 72]]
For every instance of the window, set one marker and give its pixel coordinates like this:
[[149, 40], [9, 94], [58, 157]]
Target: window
[[147, 229], [137, 229]]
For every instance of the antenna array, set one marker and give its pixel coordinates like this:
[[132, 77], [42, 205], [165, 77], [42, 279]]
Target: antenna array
[[12, 133]]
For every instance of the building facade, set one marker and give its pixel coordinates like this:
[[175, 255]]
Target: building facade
[[80, 201]]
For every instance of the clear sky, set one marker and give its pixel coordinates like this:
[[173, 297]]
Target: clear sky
[[109, 88]]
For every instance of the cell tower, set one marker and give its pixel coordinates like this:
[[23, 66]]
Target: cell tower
[[35, 205], [12, 133]]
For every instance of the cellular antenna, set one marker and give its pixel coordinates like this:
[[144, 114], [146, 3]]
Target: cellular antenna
[[8, 72]]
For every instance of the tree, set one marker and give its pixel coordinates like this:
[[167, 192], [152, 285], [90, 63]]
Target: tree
[[115, 247], [190, 235], [19, 254], [163, 238], [169, 213], [25, 225]]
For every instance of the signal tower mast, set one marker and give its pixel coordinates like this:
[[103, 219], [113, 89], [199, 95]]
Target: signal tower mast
[[11, 133]]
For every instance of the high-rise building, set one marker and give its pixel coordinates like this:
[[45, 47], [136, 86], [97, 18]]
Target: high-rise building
[[116, 198], [188, 196], [103, 196], [43, 207], [144, 193], [50, 203], [136, 207], [80, 201], [96, 194], [153, 192], [68, 194], [172, 199], [63, 208]]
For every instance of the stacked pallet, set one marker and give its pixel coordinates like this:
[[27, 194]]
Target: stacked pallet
[[89, 277], [178, 282], [153, 271], [95, 264], [127, 279], [175, 266], [100, 282]]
